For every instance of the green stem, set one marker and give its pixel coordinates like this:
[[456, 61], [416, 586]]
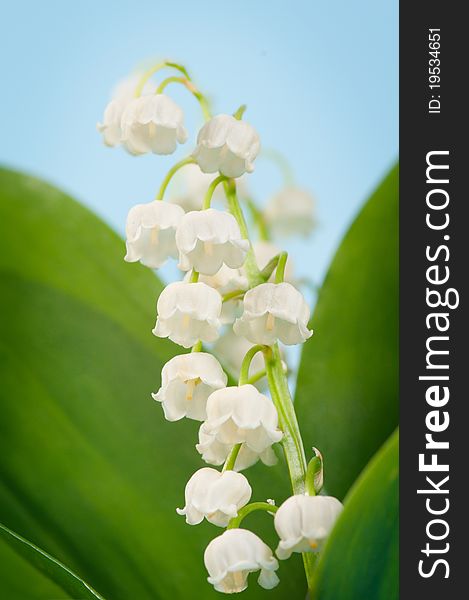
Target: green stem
[[291, 442], [250, 264], [197, 347], [194, 278], [280, 271], [233, 294], [161, 65], [250, 354], [182, 163], [255, 378], [235, 522], [278, 158], [187, 83], [231, 459], [211, 189], [240, 112], [258, 219]]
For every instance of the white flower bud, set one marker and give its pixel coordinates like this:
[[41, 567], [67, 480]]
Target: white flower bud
[[215, 496], [227, 145], [150, 231], [187, 313], [291, 212], [230, 557], [122, 95], [187, 381], [207, 239], [239, 414], [304, 522], [152, 124], [265, 251], [274, 311]]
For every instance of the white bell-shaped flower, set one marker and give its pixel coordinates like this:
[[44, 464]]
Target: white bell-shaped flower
[[227, 145], [187, 381], [227, 280], [207, 239], [150, 231], [303, 523], [291, 212], [230, 557], [152, 123], [274, 311], [265, 251], [121, 96], [231, 349], [187, 313], [239, 415], [214, 495]]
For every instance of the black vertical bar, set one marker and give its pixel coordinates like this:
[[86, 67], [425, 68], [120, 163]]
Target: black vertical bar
[[433, 42]]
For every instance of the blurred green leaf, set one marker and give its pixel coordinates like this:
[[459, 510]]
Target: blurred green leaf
[[89, 469], [48, 566], [361, 558], [347, 389]]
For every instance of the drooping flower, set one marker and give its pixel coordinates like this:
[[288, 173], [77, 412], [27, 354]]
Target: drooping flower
[[227, 280], [303, 523], [150, 231], [274, 311], [231, 349], [122, 95], [207, 239], [239, 415], [227, 145], [230, 557], [187, 313], [214, 495], [152, 124], [291, 212], [187, 381], [265, 251]]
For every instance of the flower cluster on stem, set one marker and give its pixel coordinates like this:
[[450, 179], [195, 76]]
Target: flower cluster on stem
[[229, 280]]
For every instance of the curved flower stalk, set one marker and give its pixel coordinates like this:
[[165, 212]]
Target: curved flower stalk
[[225, 276]]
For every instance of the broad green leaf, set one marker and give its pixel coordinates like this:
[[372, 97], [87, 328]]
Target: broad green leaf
[[347, 389], [49, 567], [361, 558], [89, 469]]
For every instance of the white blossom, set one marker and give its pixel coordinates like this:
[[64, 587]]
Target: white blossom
[[227, 145], [227, 280], [214, 495], [207, 239], [239, 415], [187, 313], [122, 95], [152, 124], [230, 557], [274, 311], [187, 381], [150, 232], [265, 251], [303, 523], [291, 212]]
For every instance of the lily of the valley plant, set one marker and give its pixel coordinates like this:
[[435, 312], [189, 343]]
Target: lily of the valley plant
[[234, 288]]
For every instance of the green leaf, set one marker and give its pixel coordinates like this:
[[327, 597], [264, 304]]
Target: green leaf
[[49, 566], [361, 558], [347, 389], [89, 469]]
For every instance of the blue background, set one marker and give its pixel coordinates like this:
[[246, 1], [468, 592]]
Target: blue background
[[319, 79]]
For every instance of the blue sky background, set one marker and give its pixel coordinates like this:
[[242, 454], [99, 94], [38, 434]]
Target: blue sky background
[[319, 79]]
